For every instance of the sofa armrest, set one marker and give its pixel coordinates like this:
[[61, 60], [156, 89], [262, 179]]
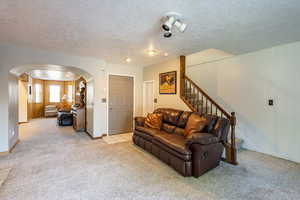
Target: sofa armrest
[[201, 138], [139, 121]]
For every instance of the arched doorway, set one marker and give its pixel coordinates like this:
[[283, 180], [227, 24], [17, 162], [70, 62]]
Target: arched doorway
[[48, 77]]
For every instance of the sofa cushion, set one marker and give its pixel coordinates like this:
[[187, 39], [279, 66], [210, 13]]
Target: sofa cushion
[[168, 128], [154, 120], [170, 116], [195, 123], [143, 135], [221, 128], [139, 121], [179, 131], [201, 138], [173, 141], [163, 148], [211, 122], [147, 130], [183, 119]]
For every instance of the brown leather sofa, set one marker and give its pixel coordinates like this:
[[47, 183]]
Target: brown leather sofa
[[190, 156]]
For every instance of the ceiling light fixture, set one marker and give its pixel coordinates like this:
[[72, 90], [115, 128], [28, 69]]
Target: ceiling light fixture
[[170, 19], [151, 52], [128, 59]]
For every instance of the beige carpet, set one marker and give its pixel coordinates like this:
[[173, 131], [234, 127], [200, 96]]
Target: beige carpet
[[57, 163], [3, 175], [113, 139]]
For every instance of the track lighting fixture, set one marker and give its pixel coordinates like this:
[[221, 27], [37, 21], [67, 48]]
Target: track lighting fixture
[[172, 19]]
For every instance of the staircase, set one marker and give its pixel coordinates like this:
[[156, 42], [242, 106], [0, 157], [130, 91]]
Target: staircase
[[199, 101]]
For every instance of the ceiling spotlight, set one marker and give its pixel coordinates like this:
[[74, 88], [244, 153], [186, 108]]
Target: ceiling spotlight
[[128, 60], [168, 24], [151, 52], [180, 25], [166, 54], [167, 34]]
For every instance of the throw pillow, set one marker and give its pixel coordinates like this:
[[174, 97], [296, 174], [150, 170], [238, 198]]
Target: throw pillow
[[154, 120], [195, 123]]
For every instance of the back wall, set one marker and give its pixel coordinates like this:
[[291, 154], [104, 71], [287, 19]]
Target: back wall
[[165, 100]]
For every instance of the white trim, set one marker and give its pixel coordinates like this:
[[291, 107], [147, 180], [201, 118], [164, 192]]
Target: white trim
[[144, 85], [107, 94]]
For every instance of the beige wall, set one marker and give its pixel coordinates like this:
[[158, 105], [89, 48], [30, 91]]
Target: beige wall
[[13, 107], [89, 106], [164, 100], [4, 109], [206, 56], [23, 101], [245, 83]]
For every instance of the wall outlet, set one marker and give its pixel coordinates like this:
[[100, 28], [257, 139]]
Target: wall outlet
[[271, 102]]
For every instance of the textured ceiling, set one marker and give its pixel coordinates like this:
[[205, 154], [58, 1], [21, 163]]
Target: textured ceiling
[[113, 30]]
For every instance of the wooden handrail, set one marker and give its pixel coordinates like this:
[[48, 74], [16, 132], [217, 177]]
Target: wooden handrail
[[208, 97]]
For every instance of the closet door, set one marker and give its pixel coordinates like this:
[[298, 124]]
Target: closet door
[[120, 109]]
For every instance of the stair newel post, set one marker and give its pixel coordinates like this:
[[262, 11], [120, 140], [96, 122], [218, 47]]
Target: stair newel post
[[232, 153], [182, 75]]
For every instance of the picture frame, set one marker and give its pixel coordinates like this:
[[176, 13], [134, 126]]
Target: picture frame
[[168, 82]]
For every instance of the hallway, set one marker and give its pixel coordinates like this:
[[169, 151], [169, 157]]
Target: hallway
[[53, 162], [46, 159]]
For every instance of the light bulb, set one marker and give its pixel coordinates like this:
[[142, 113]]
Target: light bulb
[[128, 60], [151, 52]]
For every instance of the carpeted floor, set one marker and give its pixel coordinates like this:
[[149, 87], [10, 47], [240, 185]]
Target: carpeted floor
[[3, 175], [57, 163], [113, 139]]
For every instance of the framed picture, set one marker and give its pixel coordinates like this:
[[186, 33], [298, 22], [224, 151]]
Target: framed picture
[[167, 82]]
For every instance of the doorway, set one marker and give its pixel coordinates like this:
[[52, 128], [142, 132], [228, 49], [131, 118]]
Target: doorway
[[148, 97], [121, 103]]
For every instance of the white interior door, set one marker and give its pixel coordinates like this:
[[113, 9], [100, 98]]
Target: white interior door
[[148, 97]]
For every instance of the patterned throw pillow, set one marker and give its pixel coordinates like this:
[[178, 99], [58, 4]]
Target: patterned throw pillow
[[195, 123], [154, 120]]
